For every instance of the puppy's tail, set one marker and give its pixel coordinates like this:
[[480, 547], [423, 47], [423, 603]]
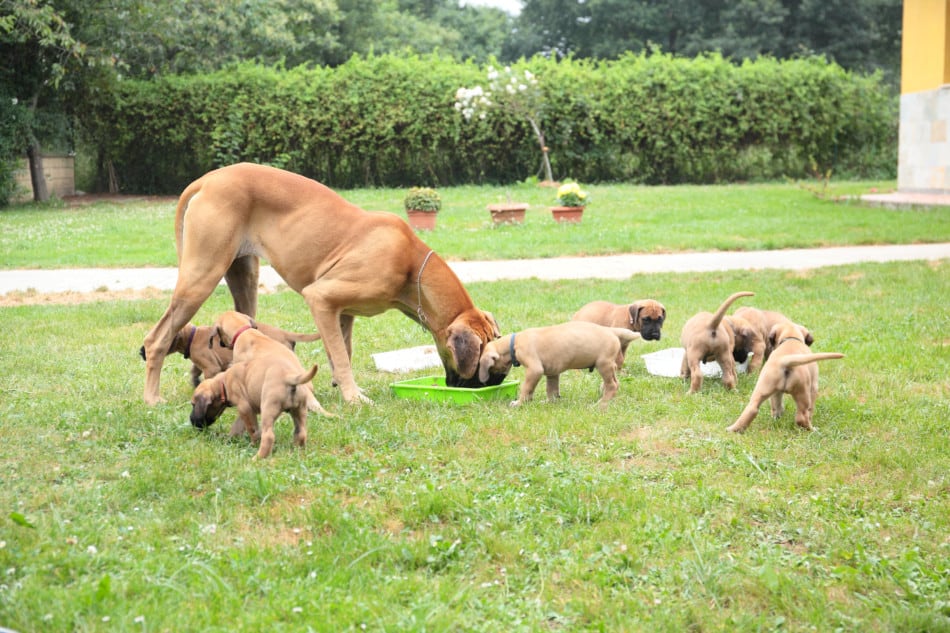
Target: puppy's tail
[[721, 312], [794, 360], [305, 377], [626, 336], [298, 337], [312, 403]]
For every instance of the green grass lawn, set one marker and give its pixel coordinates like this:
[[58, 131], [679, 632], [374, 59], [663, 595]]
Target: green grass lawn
[[415, 516], [620, 219]]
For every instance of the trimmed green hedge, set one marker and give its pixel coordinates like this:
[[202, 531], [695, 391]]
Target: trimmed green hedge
[[390, 121]]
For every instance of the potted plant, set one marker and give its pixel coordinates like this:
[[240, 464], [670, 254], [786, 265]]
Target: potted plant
[[571, 200], [422, 204], [508, 212]]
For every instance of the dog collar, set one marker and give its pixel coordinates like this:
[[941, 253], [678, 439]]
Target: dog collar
[[791, 338], [224, 393], [191, 337], [239, 333], [511, 350]]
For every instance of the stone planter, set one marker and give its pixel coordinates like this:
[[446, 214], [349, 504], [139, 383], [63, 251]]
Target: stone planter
[[508, 212], [421, 220], [567, 214]]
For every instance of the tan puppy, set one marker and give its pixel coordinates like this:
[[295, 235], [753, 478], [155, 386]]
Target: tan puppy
[[196, 343], [267, 386], [705, 337], [760, 324], [550, 351], [791, 369], [236, 331], [744, 336], [645, 316], [344, 261]]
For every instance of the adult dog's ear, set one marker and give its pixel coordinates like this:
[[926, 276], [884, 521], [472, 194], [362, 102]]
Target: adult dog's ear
[[495, 330], [465, 347]]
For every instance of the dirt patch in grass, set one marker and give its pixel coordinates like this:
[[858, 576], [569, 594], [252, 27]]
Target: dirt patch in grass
[[28, 298]]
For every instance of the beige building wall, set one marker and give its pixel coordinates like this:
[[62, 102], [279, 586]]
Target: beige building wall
[[60, 177], [924, 146]]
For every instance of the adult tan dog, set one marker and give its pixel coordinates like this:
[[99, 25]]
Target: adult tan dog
[[705, 337], [791, 369], [645, 316], [761, 323], [550, 351], [196, 343], [344, 261], [265, 386]]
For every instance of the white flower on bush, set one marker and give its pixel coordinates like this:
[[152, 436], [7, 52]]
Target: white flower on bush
[[519, 93]]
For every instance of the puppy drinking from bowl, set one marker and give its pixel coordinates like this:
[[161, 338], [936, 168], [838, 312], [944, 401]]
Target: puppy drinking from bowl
[[552, 350]]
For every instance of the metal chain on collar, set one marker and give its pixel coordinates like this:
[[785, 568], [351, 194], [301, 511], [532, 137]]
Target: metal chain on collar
[[422, 317]]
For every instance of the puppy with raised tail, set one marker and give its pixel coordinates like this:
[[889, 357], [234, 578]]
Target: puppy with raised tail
[[263, 386], [791, 369], [760, 323], [706, 337], [550, 351]]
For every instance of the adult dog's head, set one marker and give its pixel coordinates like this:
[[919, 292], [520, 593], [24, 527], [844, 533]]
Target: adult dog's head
[[208, 402], [465, 339]]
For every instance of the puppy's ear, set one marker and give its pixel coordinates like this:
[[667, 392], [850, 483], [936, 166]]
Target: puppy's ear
[[663, 314], [634, 310], [485, 364], [773, 336], [806, 336], [465, 347]]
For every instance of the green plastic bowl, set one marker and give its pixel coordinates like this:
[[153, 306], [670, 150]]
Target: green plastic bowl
[[433, 388]]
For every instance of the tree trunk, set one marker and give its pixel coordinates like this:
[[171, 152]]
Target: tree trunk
[[35, 154], [545, 161]]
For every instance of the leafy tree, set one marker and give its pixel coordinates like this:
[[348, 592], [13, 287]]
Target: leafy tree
[[38, 49], [858, 34]]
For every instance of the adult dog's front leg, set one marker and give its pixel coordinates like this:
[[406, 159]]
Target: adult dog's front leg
[[328, 324]]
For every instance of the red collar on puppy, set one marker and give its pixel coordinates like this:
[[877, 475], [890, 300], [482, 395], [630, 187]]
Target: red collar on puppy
[[239, 333], [191, 338], [791, 338], [224, 393]]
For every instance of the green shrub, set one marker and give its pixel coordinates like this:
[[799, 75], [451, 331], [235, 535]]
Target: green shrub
[[390, 121]]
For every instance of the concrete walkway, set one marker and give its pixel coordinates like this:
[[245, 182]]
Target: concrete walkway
[[85, 280]]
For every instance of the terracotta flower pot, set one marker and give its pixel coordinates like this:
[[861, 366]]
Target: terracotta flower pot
[[567, 214], [508, 212], [421, 220]]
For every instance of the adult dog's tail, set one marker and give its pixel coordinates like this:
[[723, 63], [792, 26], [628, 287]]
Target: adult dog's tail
[[183, 200]]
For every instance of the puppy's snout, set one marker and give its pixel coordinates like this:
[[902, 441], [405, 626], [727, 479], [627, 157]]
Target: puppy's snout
[[204, 415], [650, 335], [200, 421]]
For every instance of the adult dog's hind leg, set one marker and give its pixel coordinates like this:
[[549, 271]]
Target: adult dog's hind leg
[[242, 279]]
